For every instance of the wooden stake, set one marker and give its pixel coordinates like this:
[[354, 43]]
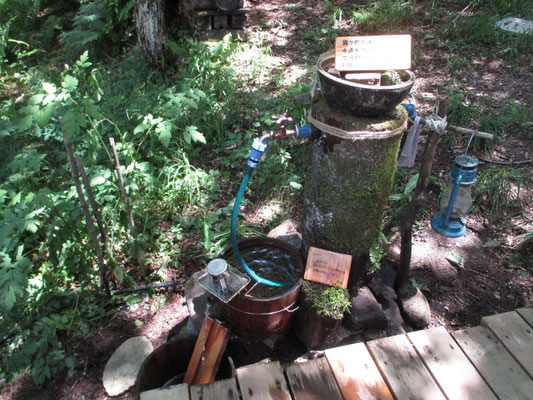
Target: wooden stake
[[207, 354], [85, 209], [122, 189], [407, 218], [94, 206], [465, 131]]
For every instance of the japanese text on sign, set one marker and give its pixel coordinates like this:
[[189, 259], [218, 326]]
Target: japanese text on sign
[[372, 53], [328, 267]]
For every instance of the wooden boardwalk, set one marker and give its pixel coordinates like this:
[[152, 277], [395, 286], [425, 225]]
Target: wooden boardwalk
[[491, 361]]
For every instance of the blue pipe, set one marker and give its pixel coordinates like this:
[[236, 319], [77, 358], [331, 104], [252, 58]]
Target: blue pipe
[[235, 247], [258, 148]]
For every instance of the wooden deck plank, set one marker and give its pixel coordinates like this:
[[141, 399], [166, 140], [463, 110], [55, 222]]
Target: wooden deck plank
[[403, 369], [456, 376], [312, 380], [356, 373], [515, 334], [263, 382], [225, 389], [500, 370], [527, 314]]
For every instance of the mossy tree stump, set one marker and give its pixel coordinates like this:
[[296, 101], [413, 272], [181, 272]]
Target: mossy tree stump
[[322, 309], [349, 180]]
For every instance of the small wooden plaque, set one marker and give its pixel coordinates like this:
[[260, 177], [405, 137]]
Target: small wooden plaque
[[328, 267], [372, 53]]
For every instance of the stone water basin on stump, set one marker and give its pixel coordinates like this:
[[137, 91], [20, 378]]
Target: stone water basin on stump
[[349, 179], [360, 99]]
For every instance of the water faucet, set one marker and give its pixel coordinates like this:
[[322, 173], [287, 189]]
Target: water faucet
[[282, 133]]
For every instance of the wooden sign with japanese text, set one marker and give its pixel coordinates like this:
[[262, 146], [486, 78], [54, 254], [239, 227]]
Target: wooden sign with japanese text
[[328, 267], [372, 53]]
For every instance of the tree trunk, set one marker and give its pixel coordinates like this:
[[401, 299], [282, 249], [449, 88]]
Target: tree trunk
[[151, 35], [348, 184]]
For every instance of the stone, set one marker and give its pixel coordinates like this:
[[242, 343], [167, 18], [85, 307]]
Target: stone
[[373, 334], [382, 282], [182, 330], [220, 22], [366, 312], [415, 306], [167, 393], [123, 367], [287, 232], [393, 249], [196, 298], [395, 323], [237, 21]]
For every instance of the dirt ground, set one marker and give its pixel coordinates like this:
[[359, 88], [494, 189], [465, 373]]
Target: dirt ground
[[488, 282]]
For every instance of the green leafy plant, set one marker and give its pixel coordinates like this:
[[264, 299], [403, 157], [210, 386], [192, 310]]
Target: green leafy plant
[[328, 301], [498, 189], [377, 251], [99, 21], [383, 15]]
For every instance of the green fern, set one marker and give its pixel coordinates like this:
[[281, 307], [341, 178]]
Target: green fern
[[98, 20]]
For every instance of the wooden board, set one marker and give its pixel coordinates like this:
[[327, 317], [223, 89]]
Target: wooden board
[[527, 314], [499, 369], [357, 374], [515, 334], [263, 382], [328, 267], [175, 392], [372, 53], [403, 370], [208, 351], [312, 380], [198, 350], [225, 389], [450, 367]]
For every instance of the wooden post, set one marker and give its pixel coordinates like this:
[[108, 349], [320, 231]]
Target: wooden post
[[94, 206], [408, 217], [207, 354], [85, 209], [122, 189]]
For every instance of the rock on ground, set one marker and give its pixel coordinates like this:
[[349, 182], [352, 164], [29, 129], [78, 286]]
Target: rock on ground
[[382, 282], [414, 305], [287, 232], [366, 312], [123, 367], [196, 297], [395, 322]]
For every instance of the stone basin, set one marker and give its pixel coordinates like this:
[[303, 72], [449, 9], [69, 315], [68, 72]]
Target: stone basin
[[357, 98]]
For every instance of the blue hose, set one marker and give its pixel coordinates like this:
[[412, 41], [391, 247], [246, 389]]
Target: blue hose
[[235, 247]]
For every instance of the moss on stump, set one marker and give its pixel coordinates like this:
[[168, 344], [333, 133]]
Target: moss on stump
[[349, 182]]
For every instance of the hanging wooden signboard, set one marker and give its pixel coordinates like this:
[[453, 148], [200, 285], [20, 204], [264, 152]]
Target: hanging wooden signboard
[[372, 53], [328, 267]]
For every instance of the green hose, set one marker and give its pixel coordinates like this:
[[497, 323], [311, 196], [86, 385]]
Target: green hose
[[235, 247]]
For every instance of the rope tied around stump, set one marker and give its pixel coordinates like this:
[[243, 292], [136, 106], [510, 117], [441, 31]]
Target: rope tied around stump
[[354, 135], [436, 123]]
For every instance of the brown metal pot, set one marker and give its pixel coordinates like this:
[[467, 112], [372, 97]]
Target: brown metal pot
[[254, 317]]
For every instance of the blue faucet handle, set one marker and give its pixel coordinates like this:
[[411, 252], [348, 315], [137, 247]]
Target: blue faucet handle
[[303, 131]]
